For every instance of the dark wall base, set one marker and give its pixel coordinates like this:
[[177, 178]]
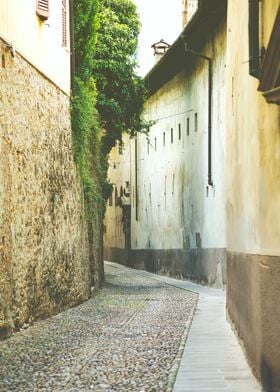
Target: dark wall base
[[253, 292], [207, 266]]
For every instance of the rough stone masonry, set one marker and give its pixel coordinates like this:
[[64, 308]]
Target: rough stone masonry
[[43, 232]]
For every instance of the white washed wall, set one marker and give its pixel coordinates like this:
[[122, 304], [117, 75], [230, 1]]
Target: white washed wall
[[172, 180]]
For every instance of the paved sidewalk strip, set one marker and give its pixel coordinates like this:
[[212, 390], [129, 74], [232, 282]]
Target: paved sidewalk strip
[[213, 360]]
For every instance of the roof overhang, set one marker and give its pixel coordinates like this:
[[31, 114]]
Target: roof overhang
[[195, 35]]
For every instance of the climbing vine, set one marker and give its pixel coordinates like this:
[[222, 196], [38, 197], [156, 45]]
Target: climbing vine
[[109, 95], [120, 91], [87, 133]]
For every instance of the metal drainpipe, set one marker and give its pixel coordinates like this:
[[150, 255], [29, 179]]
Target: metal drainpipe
[[72, 49], [210, 88], [254, 44]]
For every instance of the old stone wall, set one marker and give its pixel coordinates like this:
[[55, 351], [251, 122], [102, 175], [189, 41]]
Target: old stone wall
[[43, 233]]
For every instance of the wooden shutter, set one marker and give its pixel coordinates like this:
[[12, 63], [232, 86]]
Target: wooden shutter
[[42, 9], [64, 22]]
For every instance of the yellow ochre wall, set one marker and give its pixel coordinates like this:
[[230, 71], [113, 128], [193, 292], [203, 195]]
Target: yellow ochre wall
[[253, 200], [40, 42], [253, 147], [119, 173]]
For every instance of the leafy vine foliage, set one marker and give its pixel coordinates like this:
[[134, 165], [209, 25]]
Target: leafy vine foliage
[[108, 97], [121, 91]]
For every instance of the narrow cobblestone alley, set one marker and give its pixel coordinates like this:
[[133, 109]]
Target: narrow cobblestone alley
[[127, 338]]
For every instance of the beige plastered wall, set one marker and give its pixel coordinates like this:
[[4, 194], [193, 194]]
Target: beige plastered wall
[[253, 145], [175, 203], [119, 174], [40, 42], [253, 201]]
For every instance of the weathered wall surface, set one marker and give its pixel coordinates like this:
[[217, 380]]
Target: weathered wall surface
[[43, 234], [177, 220], [119, 175], [253, 201], [177, 210]]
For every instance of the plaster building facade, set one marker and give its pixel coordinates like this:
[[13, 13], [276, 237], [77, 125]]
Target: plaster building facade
[[208, 208], [189, 9], [253, 183], [177, 173], [43, 234]]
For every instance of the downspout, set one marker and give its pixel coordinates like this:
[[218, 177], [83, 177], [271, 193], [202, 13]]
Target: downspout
[[254, 43], [72, 48], [210, 89]]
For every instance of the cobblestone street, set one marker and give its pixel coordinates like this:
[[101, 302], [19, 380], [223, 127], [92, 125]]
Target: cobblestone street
[[127, 338]]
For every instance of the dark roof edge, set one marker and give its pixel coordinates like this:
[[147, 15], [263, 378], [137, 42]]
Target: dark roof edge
[[204, 7], [177, 42]]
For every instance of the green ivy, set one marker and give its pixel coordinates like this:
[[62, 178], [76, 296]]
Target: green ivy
[[109, 95], [120, 91], [86, 128]]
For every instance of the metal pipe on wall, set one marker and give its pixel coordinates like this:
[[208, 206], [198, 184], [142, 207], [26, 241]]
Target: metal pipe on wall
[[210, 89]]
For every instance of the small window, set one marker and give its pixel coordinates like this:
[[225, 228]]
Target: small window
[[195, 122], [188, 126], [148, 146], [42, 9], [111, 200], [171, 134], [121, 148], [116, 196], [163, 139], [155, 143], [64, 23], [179, 131]]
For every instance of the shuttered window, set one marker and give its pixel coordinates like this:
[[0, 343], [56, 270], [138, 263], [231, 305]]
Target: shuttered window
[[42, 9], [64, 22]]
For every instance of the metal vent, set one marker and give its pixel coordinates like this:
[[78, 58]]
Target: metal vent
[[43, 9]]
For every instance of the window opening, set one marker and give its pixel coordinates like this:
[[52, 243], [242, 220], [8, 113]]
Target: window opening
[[111, 200], [42, 9], [116, 196]]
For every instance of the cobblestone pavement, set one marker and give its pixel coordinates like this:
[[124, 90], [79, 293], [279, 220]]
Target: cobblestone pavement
[[127, 338]]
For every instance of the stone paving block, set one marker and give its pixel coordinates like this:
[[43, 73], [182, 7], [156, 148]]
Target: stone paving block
[[212, 349]]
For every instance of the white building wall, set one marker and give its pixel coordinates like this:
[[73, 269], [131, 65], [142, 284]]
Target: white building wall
[[182, 208], [120, 162]]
